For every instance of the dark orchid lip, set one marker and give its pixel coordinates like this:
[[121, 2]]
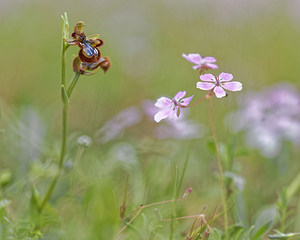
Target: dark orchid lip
[[84, 58]]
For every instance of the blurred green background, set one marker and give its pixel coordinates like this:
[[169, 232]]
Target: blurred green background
[[256, 41]]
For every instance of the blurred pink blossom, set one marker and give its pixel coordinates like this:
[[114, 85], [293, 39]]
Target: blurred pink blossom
[[217, 84], [269, 117], [170, 108], [178, 128], [201, 63], [116, 126]]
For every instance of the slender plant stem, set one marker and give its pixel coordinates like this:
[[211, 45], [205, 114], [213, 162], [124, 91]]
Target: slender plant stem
[[224, 201], [183, 172], [138, 210], [64, 130], [174, 202], [191, 105]]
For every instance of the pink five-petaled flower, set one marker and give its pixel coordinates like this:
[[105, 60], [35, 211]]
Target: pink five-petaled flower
[[171, 107], [217, 84], [201, 63]]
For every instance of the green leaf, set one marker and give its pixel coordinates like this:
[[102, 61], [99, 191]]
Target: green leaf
[[5, 176], [281, 235], [236, 231], [215, 234], [293, 187], [241, 152], [211, 146], [64, 96], [264, 222], [65, 26], [35, 198]]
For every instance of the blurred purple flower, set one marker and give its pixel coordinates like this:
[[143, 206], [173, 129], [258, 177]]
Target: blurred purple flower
[[201, 64], [219, 83], [170, 108], [117, 125], [178, 128], [269, 117], [124, 153]]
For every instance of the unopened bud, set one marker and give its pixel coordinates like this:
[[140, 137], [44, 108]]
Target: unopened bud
[[187, 192], [122, 211], [178, 112], [76, 64], [84, 141], [158, 213], [105, 64]]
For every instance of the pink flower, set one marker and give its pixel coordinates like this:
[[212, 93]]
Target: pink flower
[[201, 63], [171, 107], [219, 83]]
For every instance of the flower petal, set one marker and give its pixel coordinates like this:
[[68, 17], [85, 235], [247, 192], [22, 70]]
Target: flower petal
[[196, 67], [225, 77], [208, 78], [163, 102], [162, 114], [205, 85], [219, 91], [209, 59], [193, 58], [186, 101], [232, 86], [174, 113], [179, 95], [211, 66]]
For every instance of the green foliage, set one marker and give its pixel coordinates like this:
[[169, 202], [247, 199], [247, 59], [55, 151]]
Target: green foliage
[[64, 96], [280, 235], [146, 64], [4, 203], [5, 176]]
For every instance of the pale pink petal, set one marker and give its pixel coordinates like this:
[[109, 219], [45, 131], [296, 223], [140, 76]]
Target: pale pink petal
[[225, 77], [179, 95], [173, 114], [211, 65], [209, 59], [208, 78], [232, 86], [219, 91], [186, 101], [193, 58], [196, 67], [162, 114], [163, 102], [205, 85]]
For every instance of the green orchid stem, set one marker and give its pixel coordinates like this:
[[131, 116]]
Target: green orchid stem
[[64, 133], [224, 201], [63, 63], [72, 84]]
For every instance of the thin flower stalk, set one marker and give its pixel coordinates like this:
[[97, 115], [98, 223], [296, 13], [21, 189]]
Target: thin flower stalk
[[224, 200], [138, 210], [88, 59], [63, 141]]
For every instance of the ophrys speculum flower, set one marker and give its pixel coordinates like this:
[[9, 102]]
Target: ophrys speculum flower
[[89, 54]]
